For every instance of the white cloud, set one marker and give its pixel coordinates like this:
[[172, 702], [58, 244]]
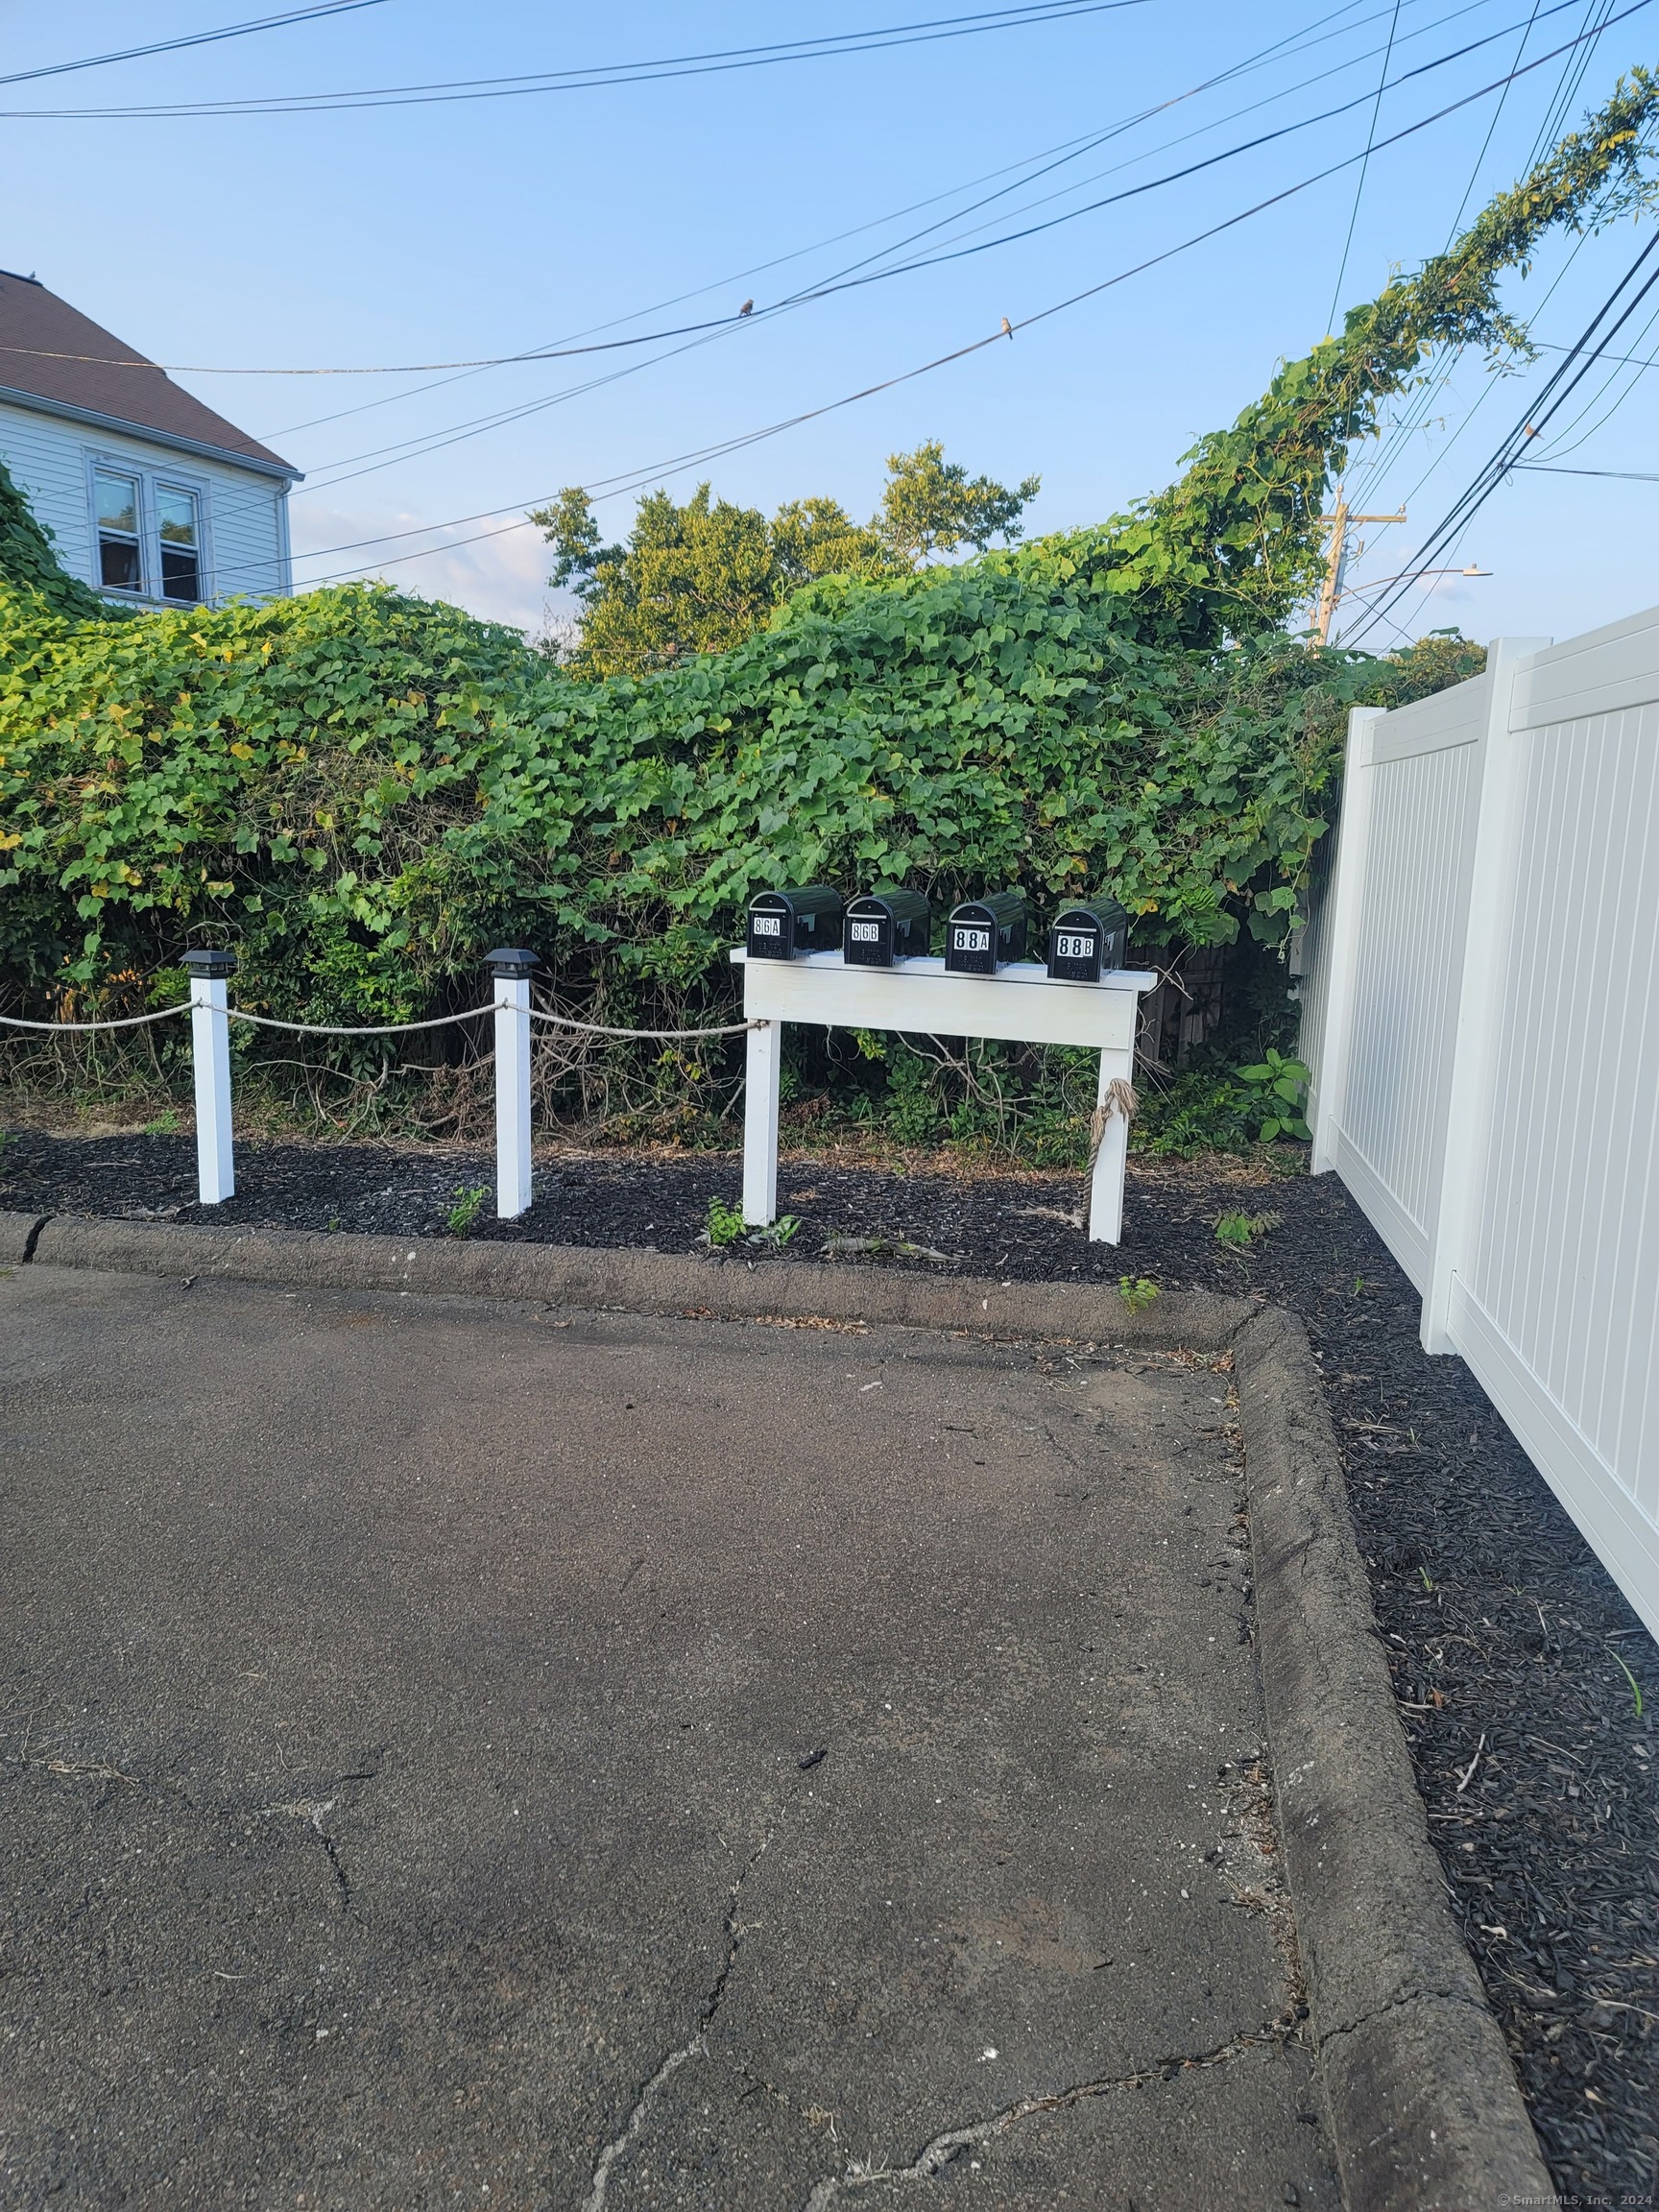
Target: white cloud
[[501, 576]]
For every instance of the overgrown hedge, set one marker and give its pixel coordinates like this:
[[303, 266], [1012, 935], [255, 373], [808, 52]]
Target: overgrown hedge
[[362, 791]]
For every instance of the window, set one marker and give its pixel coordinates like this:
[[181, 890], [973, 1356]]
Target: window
[[120, 553], [150, 534], [180, 558]]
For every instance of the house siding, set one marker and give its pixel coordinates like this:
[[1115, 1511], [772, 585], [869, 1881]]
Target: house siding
[[246, 551]]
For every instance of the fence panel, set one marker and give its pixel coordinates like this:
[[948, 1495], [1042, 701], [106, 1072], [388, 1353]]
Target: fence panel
[[1491, 1096], [1311, 965], [1382, 1109]]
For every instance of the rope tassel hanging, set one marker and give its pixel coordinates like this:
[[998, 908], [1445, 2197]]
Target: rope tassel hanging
[[1122, 1097]]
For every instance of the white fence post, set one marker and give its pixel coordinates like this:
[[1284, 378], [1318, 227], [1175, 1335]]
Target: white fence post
[[210, 1052], [1346, 895], [765, 1066], [1453, 1218], [511, 968]]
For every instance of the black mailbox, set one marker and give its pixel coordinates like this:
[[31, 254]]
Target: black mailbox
[[983, 934], [882, 927], [1085, 941], [785, 923]]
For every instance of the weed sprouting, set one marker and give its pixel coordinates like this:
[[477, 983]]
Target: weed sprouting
[[725, 1224], [727, 1227], [1635, 1686], [1137, 1292], [469, 1200], [778, 1234], [1239, 1230], [1277, 1087]]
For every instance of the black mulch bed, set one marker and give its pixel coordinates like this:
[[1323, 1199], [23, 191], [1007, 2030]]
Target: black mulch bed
[[1504, 1633]]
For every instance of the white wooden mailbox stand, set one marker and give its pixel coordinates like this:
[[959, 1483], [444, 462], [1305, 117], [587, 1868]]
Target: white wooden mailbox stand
[[1019, 1003]]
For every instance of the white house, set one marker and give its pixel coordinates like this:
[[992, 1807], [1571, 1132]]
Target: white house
[[149, 494]]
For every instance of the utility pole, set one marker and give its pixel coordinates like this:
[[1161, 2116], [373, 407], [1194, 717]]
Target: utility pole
[[1339, 522]]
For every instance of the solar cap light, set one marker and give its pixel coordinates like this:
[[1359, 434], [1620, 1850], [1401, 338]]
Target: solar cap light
[[209, 963], [984, 934], [883, 928], [512, 963], [786, 923], [1085, 941]]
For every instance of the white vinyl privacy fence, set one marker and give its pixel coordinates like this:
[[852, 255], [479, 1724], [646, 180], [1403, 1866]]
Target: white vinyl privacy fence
[[1480, 1014]]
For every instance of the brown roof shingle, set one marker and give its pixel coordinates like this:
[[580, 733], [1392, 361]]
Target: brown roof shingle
[[51, 352]]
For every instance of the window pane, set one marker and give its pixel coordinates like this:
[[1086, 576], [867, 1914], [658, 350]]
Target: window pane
[[118, 563], [180, 577], [178, 513], [118, 503]]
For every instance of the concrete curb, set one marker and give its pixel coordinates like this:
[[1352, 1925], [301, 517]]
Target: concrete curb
[[1425, 2109], [17, 1235], [635, 1282]]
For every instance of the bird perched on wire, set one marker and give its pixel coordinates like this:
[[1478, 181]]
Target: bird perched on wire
[[1008, 328], [747, 308]]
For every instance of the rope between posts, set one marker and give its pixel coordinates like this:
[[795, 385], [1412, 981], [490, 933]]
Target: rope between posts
[[600, 1029], [379, 1029], [125, 1021]]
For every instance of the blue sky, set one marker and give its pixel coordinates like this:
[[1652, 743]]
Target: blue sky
[[438, 233]]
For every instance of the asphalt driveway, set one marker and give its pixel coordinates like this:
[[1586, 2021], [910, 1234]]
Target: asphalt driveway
[[460, 1754]]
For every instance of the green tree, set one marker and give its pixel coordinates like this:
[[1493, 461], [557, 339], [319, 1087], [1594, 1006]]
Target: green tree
[[931, 505], [702, 577]]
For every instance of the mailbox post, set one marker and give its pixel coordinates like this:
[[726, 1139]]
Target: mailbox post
[[1019, 1003], [765, 1066]]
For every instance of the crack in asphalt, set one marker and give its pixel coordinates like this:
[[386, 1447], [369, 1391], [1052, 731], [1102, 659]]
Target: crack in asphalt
[[312, 1812], [696, 2047], [936, 2154]]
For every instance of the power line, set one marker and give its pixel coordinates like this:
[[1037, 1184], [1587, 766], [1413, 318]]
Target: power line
[[1416, 410], [1564, 442], [1360, 186], [1007, 330], [1629, 360], [194, 38], [1335, 170], [1198, 132], [1557, 390], [1317, 33], [1491, 128], [348, 469], [1055, 158], [883, 39], [1066, 150], [405, 449], [830, 288], [1553, 469], [1252, 145], [1596, 15]]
